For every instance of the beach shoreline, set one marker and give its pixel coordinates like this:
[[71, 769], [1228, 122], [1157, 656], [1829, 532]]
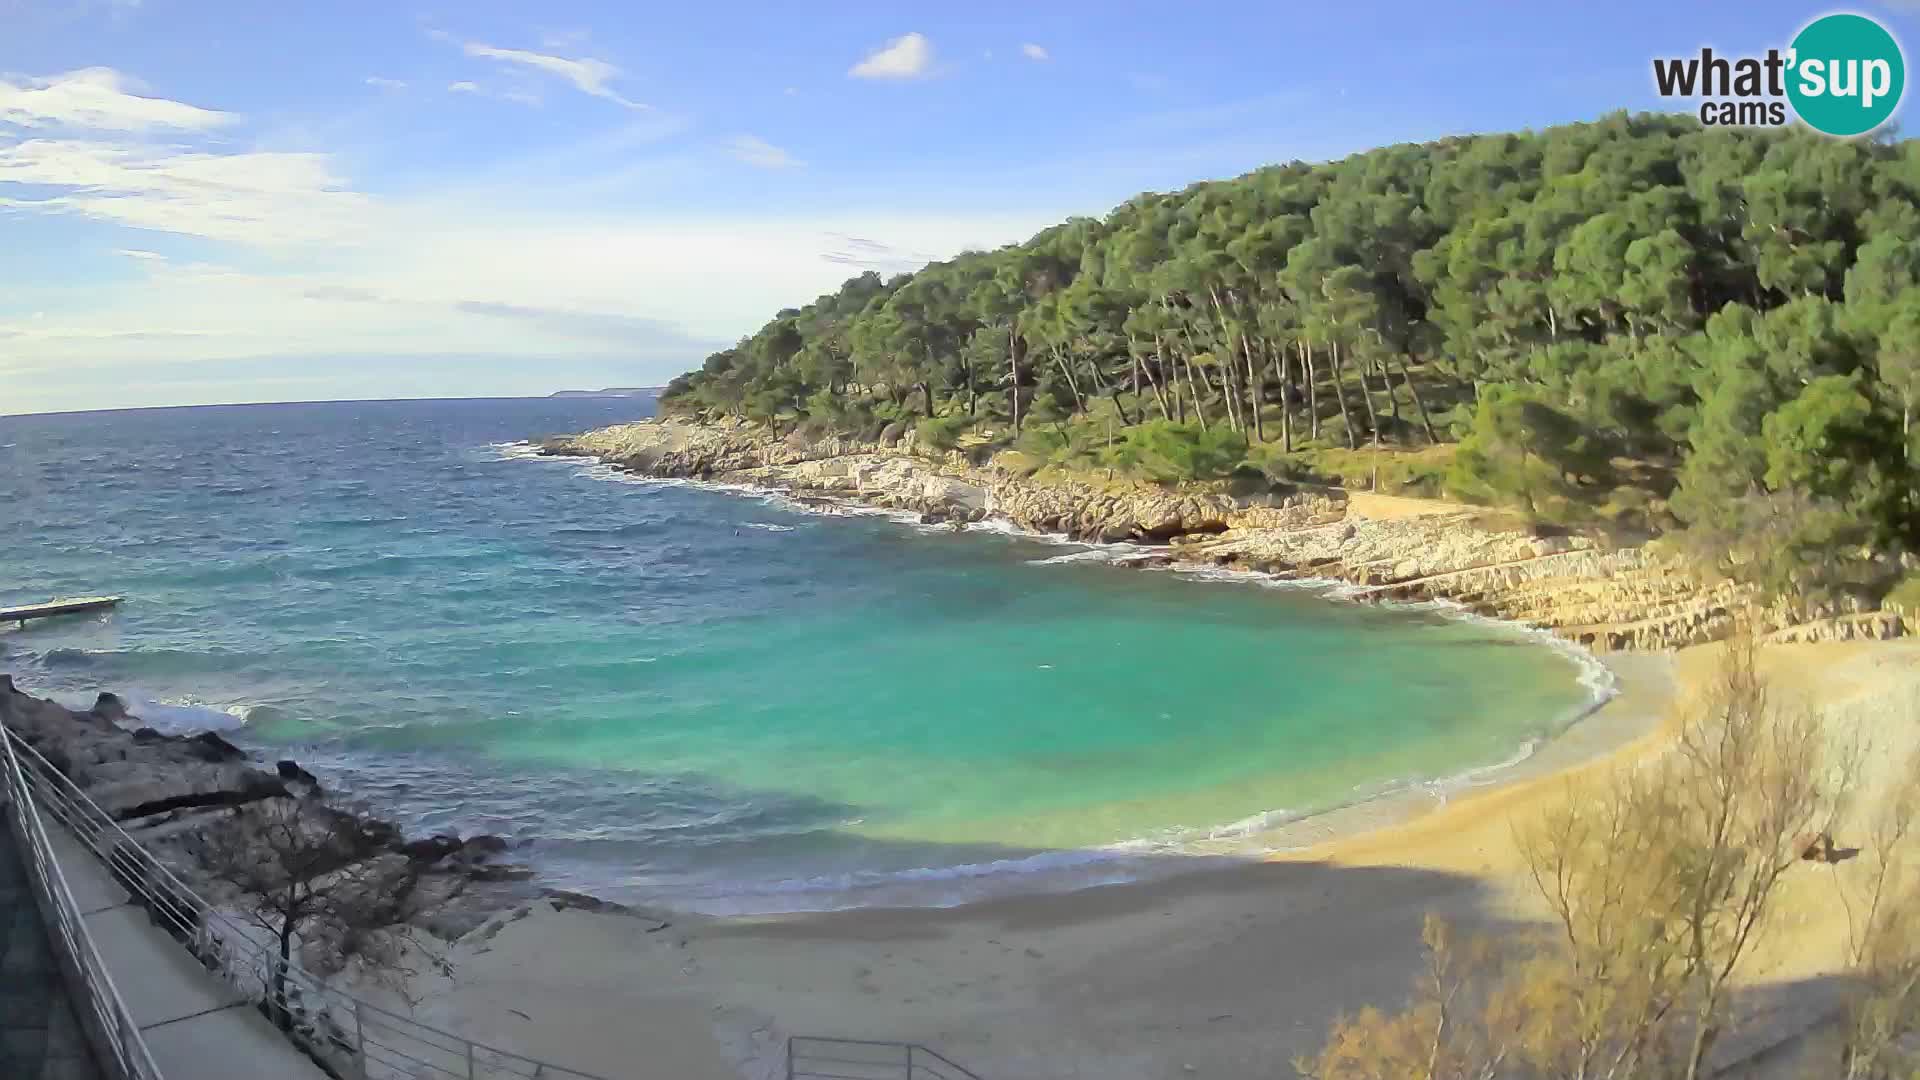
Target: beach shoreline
[[1226, 971]]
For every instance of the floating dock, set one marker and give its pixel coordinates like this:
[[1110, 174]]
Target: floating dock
[[72, 606]]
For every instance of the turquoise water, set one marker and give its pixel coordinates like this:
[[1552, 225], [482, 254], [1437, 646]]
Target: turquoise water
[[685, 696]]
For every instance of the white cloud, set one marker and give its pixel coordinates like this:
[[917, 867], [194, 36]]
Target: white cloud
[[381, 83], [760, 153], [1034, 52], [517, 96], [97, 98], [253, 197], [906, 57], [431, 281], [144, 256], [588, 76]]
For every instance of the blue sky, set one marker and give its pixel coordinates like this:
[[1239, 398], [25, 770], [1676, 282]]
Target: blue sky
[[211, 202]]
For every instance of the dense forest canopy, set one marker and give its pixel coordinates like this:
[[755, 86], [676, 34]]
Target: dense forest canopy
[[1639, 321]]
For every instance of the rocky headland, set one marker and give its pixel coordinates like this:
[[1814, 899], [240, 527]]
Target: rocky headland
[[1601, 595]]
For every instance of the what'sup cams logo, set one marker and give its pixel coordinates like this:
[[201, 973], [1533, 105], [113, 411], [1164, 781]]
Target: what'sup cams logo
[[1843, 75]]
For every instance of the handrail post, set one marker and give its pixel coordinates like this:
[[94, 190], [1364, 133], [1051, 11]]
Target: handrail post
[[470, 1073]]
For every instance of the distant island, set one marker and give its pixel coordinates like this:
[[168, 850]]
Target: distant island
[[611, 391]]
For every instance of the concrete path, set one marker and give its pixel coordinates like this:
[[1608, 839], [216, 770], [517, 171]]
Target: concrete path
[[197, 1026], [40, 1039]]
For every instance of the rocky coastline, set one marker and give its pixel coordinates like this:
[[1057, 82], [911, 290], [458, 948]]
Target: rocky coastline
[[1602, 596], [167, 791]]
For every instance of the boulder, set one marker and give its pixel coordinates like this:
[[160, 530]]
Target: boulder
[[431, 849], [110, 708], [210, 747]]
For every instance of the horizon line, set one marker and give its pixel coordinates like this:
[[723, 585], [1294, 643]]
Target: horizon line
[[554, 396]]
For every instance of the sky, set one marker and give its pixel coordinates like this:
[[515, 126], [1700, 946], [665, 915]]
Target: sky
[[220, 202]]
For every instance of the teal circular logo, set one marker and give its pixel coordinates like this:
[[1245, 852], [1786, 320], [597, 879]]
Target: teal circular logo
[[1846, 74]]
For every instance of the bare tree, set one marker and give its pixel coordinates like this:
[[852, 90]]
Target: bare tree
[[319, 877], [1455, 1029], [1882, 1019], [1658, 887]]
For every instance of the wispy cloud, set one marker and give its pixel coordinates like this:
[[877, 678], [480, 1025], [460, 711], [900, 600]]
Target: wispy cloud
[[99, 99], [255, 197], [1034, 52], [379, 82], [144, 256], [864, 254], [760, 153], [591, 325], [563, 321], [589, 76], [463, 87], [909, 56]]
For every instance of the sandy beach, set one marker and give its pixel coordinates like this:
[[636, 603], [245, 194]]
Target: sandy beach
[[1224, 972]]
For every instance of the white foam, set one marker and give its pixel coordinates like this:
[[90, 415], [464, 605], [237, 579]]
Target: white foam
[[517, 451], [1091, 555]]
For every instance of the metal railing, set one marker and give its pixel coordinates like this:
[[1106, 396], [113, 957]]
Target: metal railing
[[118, 1047], [811, 1058], [352, 1037]]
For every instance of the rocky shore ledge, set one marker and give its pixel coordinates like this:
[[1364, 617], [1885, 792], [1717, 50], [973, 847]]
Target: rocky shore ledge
[[1601, 596], [169, 791]]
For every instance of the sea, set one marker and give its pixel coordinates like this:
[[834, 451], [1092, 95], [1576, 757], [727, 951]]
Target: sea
[[719, 700]]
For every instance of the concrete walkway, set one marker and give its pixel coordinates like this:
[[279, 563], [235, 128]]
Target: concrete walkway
[[197, 1026], [40, 1039]]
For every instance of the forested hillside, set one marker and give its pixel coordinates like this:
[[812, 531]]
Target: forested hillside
[[1638, 322]]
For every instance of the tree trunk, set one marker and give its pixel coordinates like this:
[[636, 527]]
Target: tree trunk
[[1340, 392], [1079, 403], [1256, 389], [1210, 389], [1393, 399], [1156, 374], [1199, 406], [1366, 395], [1426, 423], [926, 395], [1281, 364], [1313, 393], [1013, 377], [1230, 390], [1113, 394], [1158, 395]]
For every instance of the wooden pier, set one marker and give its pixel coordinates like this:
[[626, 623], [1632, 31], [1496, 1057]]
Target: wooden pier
[[72, 606]]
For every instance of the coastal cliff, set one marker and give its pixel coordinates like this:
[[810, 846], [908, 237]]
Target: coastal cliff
[[1603, 596]]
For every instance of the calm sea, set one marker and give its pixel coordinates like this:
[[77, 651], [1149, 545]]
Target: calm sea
[[715, 700]]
